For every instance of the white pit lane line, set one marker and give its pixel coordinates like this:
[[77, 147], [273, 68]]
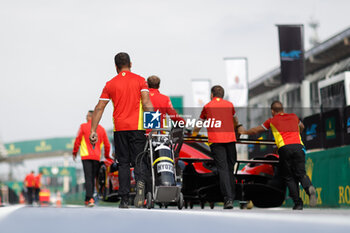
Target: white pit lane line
[[7, 210], [285, 217]]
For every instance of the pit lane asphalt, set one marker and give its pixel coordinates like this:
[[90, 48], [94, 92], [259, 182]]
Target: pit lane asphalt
[[75, 219]]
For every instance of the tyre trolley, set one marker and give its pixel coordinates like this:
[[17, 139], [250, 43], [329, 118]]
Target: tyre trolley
[[164, 146]]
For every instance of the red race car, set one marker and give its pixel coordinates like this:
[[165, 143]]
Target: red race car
[[258, 181], [108, 181]]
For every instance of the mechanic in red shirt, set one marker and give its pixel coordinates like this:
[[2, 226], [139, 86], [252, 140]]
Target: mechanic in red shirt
[[29, 183], [90, 155], [222, 138], [161, 102], [286, 128], [130, 97], [37, 187]]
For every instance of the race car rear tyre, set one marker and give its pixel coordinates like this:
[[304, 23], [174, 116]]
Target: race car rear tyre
[[243, 205], [202, 204], [211, 204], [180, 202], [149, 200], [102, 191]]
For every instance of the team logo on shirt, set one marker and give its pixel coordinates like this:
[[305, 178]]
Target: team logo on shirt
[[151, 120]]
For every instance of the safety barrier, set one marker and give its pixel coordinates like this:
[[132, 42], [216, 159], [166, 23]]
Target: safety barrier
[[329, 171]]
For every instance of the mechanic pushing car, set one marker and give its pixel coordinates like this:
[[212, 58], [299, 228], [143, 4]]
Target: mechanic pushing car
[[90, 155], [223, 140], [286, 128], [130, 96]]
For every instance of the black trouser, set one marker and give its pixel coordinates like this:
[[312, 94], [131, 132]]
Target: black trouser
[[292, 161], [30, 195], [90, 172], [225, 157], [128, 145], [36, 194]]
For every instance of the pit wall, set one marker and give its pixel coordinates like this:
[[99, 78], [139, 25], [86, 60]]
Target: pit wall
[[329, 171]]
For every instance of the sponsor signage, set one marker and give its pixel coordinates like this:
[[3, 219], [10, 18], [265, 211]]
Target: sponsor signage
[[329, 172], [256, 150], [333, 128], [177, 102], [312, 134], [58, 171], [237, 81], [39, 146], [200, 92], [151, 120], [291, 41], [347, 125], [165, 167]]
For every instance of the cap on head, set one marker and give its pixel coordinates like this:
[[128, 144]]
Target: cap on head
[[153, 81], [218, 91], [122, 60]]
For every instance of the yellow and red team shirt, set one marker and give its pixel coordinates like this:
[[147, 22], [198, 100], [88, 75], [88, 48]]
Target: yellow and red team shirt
[[87, 151], [125, 92], [222, 110], [163, 104], [285, 129]]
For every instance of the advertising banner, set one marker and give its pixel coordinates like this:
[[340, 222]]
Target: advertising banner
[[200, 92], [237, 81], [347, 125], [40, 146], [291, 40], [329, 171], [178, 103], [257, 151], [333, 128], [312, 135]]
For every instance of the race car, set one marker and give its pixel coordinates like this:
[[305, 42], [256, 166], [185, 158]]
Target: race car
[[108, 181], [258, 181]]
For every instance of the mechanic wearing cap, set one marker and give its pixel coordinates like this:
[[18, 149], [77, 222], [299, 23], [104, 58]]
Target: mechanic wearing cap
[[286, 128], [130, 96], [222, 139], [160, 101], [90, 155]]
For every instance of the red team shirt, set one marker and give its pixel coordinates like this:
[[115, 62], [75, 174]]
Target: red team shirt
[[37, 181], [285, 129], [29, 181], [163, 104], [220, 110], [128, 112]]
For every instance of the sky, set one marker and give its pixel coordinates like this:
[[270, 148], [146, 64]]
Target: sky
[[56, 56]]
